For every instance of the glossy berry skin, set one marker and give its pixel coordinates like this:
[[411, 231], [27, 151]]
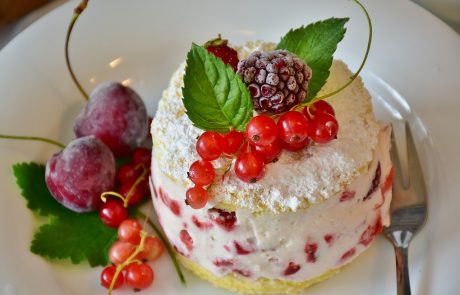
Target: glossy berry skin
[[295, 147], [116, 115], [196, 197], [261, 130], [323, 128], [209, 145], [113, 213], [320, 106], [232, 142], [270, 152], [79, 174], [120, 251], [219, 47], [130, 231], [249, 167], [107, 276], [128, 173], [201, 173], [142, 156], [135, 195], [153, 248], [139, 276], [293, 127]]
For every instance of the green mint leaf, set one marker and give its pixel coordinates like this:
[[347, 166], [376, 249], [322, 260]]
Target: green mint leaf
[[215, 97], [77, 237], [30, 178], [67, 235], [316, 44]]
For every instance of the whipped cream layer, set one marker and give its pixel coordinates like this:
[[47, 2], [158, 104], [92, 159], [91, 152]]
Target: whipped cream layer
[[294, 246], [297, 180]]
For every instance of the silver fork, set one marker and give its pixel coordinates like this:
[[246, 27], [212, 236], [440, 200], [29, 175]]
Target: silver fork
[[408, 207]]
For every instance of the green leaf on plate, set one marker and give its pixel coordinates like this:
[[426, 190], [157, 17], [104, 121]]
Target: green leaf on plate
[[77, 237], [215, 97], [67, 235], [316, 44]]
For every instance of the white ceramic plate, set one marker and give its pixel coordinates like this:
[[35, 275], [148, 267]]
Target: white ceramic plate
[[414, 62]]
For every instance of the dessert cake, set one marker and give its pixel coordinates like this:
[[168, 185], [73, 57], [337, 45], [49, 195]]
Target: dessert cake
[[313, 212]]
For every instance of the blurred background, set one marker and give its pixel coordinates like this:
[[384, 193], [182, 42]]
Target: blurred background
[[16, 15]]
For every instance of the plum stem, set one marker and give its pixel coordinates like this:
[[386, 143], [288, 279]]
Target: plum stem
[[36, 138], [161, 236], [76, 13]]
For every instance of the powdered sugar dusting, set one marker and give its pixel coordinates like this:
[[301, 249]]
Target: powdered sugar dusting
[[298, 179]]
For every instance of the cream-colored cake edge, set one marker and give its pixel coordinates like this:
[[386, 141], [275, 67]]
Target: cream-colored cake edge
[[244, 285]]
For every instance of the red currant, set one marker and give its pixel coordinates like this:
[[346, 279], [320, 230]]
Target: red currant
[[128, 173], [130, 231], [153, 248], [139, 276], [323, 128], [107, 276], [135, 195], [249, 167], [261, 130], [112, 213], [209, 145], [320, 106], [293, 127], [142, 156], [232, 142], [120, 252], [270, 152], [196, 197], [294, 147], [201, 173]]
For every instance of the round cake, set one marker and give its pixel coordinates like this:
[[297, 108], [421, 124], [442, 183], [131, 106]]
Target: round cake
[[313, 212]]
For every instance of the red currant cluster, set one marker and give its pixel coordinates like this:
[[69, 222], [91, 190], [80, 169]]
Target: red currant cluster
[[129, 256], [133, 187], [261, 144]]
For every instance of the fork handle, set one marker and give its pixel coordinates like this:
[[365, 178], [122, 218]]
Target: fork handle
[[402, 270]]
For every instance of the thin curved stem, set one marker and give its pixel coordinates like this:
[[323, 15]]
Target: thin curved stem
[[35, 138], [76, 13], [369, 42], [167, 245]]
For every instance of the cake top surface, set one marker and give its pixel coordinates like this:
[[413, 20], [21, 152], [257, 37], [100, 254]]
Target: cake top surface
[[298, 179]]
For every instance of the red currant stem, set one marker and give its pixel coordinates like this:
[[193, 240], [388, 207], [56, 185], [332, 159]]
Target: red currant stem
[[369, 41], [76, 13], [144, 173], [131, 258], [114, 194], [36, 138], [165, 242]]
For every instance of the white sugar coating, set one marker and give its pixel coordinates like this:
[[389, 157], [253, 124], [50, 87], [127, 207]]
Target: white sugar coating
[[298, 179]]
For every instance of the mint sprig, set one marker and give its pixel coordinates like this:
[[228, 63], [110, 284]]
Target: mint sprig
[[215, 98], [316, 44], [66, 235]]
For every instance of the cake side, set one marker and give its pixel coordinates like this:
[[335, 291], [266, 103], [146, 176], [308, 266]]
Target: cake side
[[297, 180]]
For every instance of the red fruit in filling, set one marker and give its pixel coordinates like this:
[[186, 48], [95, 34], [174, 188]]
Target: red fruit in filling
[[292, 268], [173, 205], [372, 230], [310, 251], [348, 254], [240, 250], [201, 224], [347, 195], [375, 183], [186, 239], [224, 219]]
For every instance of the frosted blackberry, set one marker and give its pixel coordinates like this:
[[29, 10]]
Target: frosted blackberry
[[277, 80]]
